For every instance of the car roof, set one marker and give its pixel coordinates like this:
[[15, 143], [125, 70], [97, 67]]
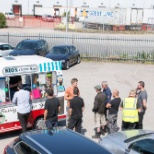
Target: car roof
[[58, 141], [64, 45], [2, 43], [43, 64], [28, 40]]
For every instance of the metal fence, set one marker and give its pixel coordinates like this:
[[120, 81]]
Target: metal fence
[[95, 46]]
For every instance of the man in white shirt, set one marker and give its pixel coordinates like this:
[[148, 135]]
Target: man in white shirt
[[22, 99]]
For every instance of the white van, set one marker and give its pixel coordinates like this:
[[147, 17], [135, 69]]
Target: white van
[[37, 74], [9, 15]]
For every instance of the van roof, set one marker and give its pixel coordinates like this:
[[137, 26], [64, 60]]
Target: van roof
[[27, 65]]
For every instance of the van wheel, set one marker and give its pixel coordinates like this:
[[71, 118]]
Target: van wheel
[[39, 124], [78, 60], [67, 65]]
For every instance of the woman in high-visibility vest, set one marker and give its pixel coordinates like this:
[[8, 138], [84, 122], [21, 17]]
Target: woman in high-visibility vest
[[130, 108]]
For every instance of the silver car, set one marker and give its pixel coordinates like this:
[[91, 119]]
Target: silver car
[[129, 142], [5, 49]]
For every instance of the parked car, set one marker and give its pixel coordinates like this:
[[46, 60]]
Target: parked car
[[129, 142], [31, 47], [68, 54], [47, 18], [9, 15], [5, 49], [56, 141]]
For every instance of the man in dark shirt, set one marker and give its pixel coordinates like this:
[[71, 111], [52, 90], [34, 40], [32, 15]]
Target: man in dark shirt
[[142, 100], [52, 108], [76, 109], [113, 107], [107, 92]]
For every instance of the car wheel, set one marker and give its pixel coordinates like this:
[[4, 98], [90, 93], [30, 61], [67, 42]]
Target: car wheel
[[78, 60], [39, 124], [67, 65]]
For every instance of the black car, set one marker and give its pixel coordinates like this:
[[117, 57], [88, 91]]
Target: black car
[[31, 47], [68, 54], [58, 141]]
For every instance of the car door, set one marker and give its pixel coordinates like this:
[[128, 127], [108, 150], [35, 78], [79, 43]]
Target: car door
[[3, 50], [8, 48], [73, 54]]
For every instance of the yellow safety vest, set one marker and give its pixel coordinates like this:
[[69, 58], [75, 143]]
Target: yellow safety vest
[[130, 112]]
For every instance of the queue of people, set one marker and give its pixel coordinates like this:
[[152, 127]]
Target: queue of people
[[106, 108]]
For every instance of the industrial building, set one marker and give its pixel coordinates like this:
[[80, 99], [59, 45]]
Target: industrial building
[[29, 7]]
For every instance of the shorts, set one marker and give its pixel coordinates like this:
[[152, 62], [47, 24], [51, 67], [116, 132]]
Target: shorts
[[99, 120]]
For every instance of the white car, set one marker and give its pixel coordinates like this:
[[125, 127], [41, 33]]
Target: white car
[[9, 15], [5, 49]]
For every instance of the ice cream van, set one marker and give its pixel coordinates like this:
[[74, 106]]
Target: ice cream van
[[36, 74]]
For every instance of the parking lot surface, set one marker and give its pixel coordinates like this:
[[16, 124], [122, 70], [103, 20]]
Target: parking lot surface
[[122, 76]]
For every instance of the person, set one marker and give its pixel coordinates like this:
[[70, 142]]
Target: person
[[142, 99], [13, 82], [107, 92], [22, 99], [69, 95], [51, 110], [75, 112], [98, 109], [130, 108], [113, 107]]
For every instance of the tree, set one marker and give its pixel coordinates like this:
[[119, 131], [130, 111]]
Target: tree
[[2, 20]]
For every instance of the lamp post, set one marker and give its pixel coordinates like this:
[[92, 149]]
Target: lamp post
[[66, 16]]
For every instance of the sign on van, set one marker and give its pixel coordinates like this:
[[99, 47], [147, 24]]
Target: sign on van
[[20, 69]]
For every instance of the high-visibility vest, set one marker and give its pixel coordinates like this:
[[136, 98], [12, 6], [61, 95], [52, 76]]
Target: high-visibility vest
[[130, 112]]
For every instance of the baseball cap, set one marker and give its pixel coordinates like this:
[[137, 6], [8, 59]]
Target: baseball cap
[[98, 87]]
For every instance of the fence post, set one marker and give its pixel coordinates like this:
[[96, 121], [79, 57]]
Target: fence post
[[72, 39], [8, 37]]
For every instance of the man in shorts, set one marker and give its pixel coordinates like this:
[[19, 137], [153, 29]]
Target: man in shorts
[[98, 109]]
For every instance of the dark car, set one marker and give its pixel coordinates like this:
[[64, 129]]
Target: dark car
[[130, 142], [31, 47], [68, 54], [56, 141]]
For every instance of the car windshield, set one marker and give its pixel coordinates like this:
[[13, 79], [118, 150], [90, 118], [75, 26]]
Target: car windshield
[[49, 16], [27, 45], [59, 50]]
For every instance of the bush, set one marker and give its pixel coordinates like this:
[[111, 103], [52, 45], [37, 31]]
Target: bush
[[2, 20]]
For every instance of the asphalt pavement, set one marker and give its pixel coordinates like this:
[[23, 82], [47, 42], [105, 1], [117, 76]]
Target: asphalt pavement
[[123, 76]]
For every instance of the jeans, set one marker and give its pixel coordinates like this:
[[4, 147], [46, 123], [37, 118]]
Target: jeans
[[23, 119], [139, 125], [50, 124], [112, 123], [128, 125], [75, 123]]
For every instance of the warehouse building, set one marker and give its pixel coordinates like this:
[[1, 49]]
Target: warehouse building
[[57, 7]]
